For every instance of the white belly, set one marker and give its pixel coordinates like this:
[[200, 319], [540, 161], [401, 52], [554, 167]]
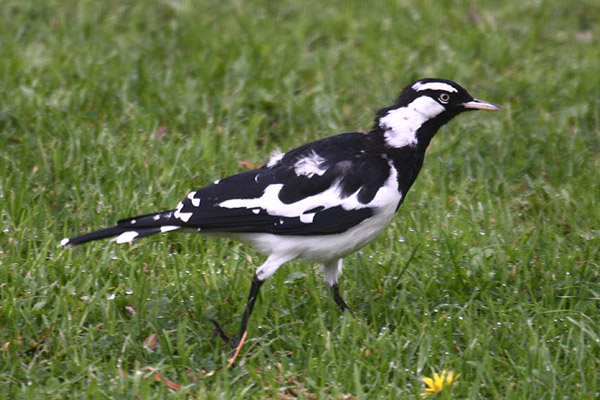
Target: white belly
[[321, 248]]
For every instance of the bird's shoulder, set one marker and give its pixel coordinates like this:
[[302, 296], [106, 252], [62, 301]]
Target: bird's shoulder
[[333, 149], [352, 162]]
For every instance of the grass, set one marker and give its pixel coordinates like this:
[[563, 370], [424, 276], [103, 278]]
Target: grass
[[116, 108]]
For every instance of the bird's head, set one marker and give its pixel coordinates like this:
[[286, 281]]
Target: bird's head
[[422, 108]]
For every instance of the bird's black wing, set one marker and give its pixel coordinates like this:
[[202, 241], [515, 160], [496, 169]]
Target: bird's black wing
[[324, 187]]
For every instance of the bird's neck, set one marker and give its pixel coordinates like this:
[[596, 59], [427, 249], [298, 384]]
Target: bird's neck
[[408, 137], [407, 159], [412, 125], [403, 132]]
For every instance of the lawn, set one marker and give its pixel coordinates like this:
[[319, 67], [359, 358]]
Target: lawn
[[491, 268]]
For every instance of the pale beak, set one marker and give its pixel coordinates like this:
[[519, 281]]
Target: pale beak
[[477, 104]]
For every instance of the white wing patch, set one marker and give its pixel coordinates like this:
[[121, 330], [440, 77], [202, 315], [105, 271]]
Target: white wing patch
[[307, 218], [195, 200], [310, 165], [269, 201], [276, 156], [169, 228], [184, 216], [401, 125], [126, 237], [433, 86]]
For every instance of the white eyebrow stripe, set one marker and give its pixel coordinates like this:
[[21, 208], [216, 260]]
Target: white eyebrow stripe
[[433, 86]]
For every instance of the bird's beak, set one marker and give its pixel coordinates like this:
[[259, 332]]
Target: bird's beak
[[477, 104]]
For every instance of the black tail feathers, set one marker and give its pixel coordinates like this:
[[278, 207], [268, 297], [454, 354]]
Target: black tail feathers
[[128, 229]]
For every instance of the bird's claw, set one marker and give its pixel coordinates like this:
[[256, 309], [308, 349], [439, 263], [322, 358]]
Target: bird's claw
[[217, 330]]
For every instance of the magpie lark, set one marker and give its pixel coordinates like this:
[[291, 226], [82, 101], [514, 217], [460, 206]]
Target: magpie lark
[[319, 202]]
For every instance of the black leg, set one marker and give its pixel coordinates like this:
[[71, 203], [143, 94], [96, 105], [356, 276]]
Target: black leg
[[256, 284], [339, 300]]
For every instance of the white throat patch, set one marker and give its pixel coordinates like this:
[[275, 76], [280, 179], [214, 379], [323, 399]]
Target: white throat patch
[[401, 125]]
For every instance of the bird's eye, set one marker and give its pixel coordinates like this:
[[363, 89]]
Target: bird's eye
[[444, 98]]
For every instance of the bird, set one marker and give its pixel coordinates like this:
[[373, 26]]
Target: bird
[[319, 202]]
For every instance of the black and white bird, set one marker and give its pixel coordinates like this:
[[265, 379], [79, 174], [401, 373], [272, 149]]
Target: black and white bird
[[319, 202]]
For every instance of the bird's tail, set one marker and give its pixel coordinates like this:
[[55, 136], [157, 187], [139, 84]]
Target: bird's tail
[[129, 229]]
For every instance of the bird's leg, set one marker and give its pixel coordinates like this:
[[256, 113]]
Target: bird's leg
[[268, 268], [256, 284], [332, 271], [339, 300]]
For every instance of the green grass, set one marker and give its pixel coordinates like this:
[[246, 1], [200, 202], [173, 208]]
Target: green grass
[[503, 223]]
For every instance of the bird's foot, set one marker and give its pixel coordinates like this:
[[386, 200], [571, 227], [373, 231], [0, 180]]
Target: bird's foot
[[234, 342], [348, 309], [217, 330]]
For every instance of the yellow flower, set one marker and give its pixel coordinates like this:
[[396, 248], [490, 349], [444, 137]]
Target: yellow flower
[[437, 383]]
